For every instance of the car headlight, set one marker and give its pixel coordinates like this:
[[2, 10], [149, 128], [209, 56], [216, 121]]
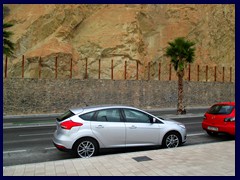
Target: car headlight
[[182, 126]]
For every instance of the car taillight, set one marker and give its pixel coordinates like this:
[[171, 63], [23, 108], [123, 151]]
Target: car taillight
[[69, 124], [232, 119]]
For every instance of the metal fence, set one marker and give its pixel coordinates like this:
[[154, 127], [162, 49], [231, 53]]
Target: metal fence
[[152, 71]]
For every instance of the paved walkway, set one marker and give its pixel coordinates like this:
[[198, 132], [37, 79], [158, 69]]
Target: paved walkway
[[212, 159]]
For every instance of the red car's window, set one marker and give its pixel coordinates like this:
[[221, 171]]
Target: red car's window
[[221, 109]]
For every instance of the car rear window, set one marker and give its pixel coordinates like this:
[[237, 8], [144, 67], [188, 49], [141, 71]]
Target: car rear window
[[66, 115], [87, 116], [220, 109]]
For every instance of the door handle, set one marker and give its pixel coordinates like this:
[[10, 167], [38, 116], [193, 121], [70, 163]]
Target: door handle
[[100, 126]]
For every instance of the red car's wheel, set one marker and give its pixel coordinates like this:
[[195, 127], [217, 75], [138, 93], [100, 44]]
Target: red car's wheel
[[210, 133]]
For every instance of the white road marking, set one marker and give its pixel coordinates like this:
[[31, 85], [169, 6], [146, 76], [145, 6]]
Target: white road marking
[[23, 150], [22, 135], [17, 151], [197, 134], [50, 148]]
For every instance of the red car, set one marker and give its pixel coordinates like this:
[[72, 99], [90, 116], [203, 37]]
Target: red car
[[220, 118]]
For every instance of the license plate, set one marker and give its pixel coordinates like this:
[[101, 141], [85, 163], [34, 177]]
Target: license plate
[[212, 128]]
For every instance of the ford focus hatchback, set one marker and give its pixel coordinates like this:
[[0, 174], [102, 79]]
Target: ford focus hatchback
[[84, 131], [220, 118]]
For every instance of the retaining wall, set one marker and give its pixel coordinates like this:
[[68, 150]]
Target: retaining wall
[[37, 96]]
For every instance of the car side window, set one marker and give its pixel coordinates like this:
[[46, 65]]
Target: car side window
[[136, 116], [220, 109], [108, 115], [87, 116]]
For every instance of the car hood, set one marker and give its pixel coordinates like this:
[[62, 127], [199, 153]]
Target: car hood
[[170, 121]]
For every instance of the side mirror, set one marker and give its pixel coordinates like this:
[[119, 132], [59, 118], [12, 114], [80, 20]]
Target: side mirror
[[153, 120]]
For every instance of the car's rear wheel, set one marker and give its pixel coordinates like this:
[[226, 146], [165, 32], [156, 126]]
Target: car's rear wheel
[[85, 148], [171, 140]]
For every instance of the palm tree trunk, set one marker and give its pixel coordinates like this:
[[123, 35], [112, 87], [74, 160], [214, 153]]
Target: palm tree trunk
[[180, 107]]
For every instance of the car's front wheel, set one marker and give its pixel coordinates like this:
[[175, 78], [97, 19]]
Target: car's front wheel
[[171, 140], [85, 148]]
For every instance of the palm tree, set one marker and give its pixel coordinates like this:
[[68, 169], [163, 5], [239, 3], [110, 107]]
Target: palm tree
[[181, 52], [8, 46]]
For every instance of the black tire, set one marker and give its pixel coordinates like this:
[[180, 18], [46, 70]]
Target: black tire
[[171, 140], [210, 133], [85, 148]]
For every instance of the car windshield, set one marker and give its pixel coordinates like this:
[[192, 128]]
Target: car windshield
[[65, 115], [220, 109]]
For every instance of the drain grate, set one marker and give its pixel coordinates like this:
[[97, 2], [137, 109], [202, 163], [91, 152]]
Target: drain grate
[[142, 158]]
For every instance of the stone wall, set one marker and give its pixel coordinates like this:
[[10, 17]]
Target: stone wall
[[36, 96]]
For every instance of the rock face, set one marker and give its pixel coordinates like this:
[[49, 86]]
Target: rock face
[[118, 33]]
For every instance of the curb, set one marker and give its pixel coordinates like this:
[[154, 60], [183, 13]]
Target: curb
[[57, 114], [30, 116]]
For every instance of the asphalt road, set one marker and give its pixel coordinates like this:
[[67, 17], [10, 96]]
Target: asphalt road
[[24, 144]]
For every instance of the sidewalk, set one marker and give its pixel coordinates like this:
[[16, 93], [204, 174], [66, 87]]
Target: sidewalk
[[213, 159]]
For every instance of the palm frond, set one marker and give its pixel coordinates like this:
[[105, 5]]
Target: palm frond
[[181, 52], [8, 45]]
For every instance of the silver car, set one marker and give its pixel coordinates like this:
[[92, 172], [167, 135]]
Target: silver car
[[84, 131]]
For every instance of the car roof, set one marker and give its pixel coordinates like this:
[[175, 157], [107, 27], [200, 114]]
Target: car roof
[[98, 107], [226, 103]]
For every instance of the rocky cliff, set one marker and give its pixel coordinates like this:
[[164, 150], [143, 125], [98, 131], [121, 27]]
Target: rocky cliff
[[131, 33]]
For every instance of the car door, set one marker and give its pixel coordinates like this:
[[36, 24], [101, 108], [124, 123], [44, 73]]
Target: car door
[[109, 128], [139, 129]]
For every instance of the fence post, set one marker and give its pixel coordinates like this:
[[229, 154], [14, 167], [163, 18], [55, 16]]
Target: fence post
[[86, 67], [39, 68], [125, 70], [215, 73], [230, 74], [56, 67], [170, 72], [99, 68], [189, 72], [148, 70], [223, 73], [22, 66], [137, 70], [198, 69], [71, 68], [206, 73], [159, 71], [5, 70], [112, 70]]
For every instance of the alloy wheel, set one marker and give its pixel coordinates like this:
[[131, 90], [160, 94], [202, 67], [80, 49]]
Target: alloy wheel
[[172, 141], [86, 149]]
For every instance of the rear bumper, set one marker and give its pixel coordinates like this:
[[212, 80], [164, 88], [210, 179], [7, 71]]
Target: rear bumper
[[61, 147], [62, 141], [227, 128]]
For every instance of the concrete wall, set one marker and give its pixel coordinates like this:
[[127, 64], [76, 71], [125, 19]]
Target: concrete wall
[[36, 96]]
